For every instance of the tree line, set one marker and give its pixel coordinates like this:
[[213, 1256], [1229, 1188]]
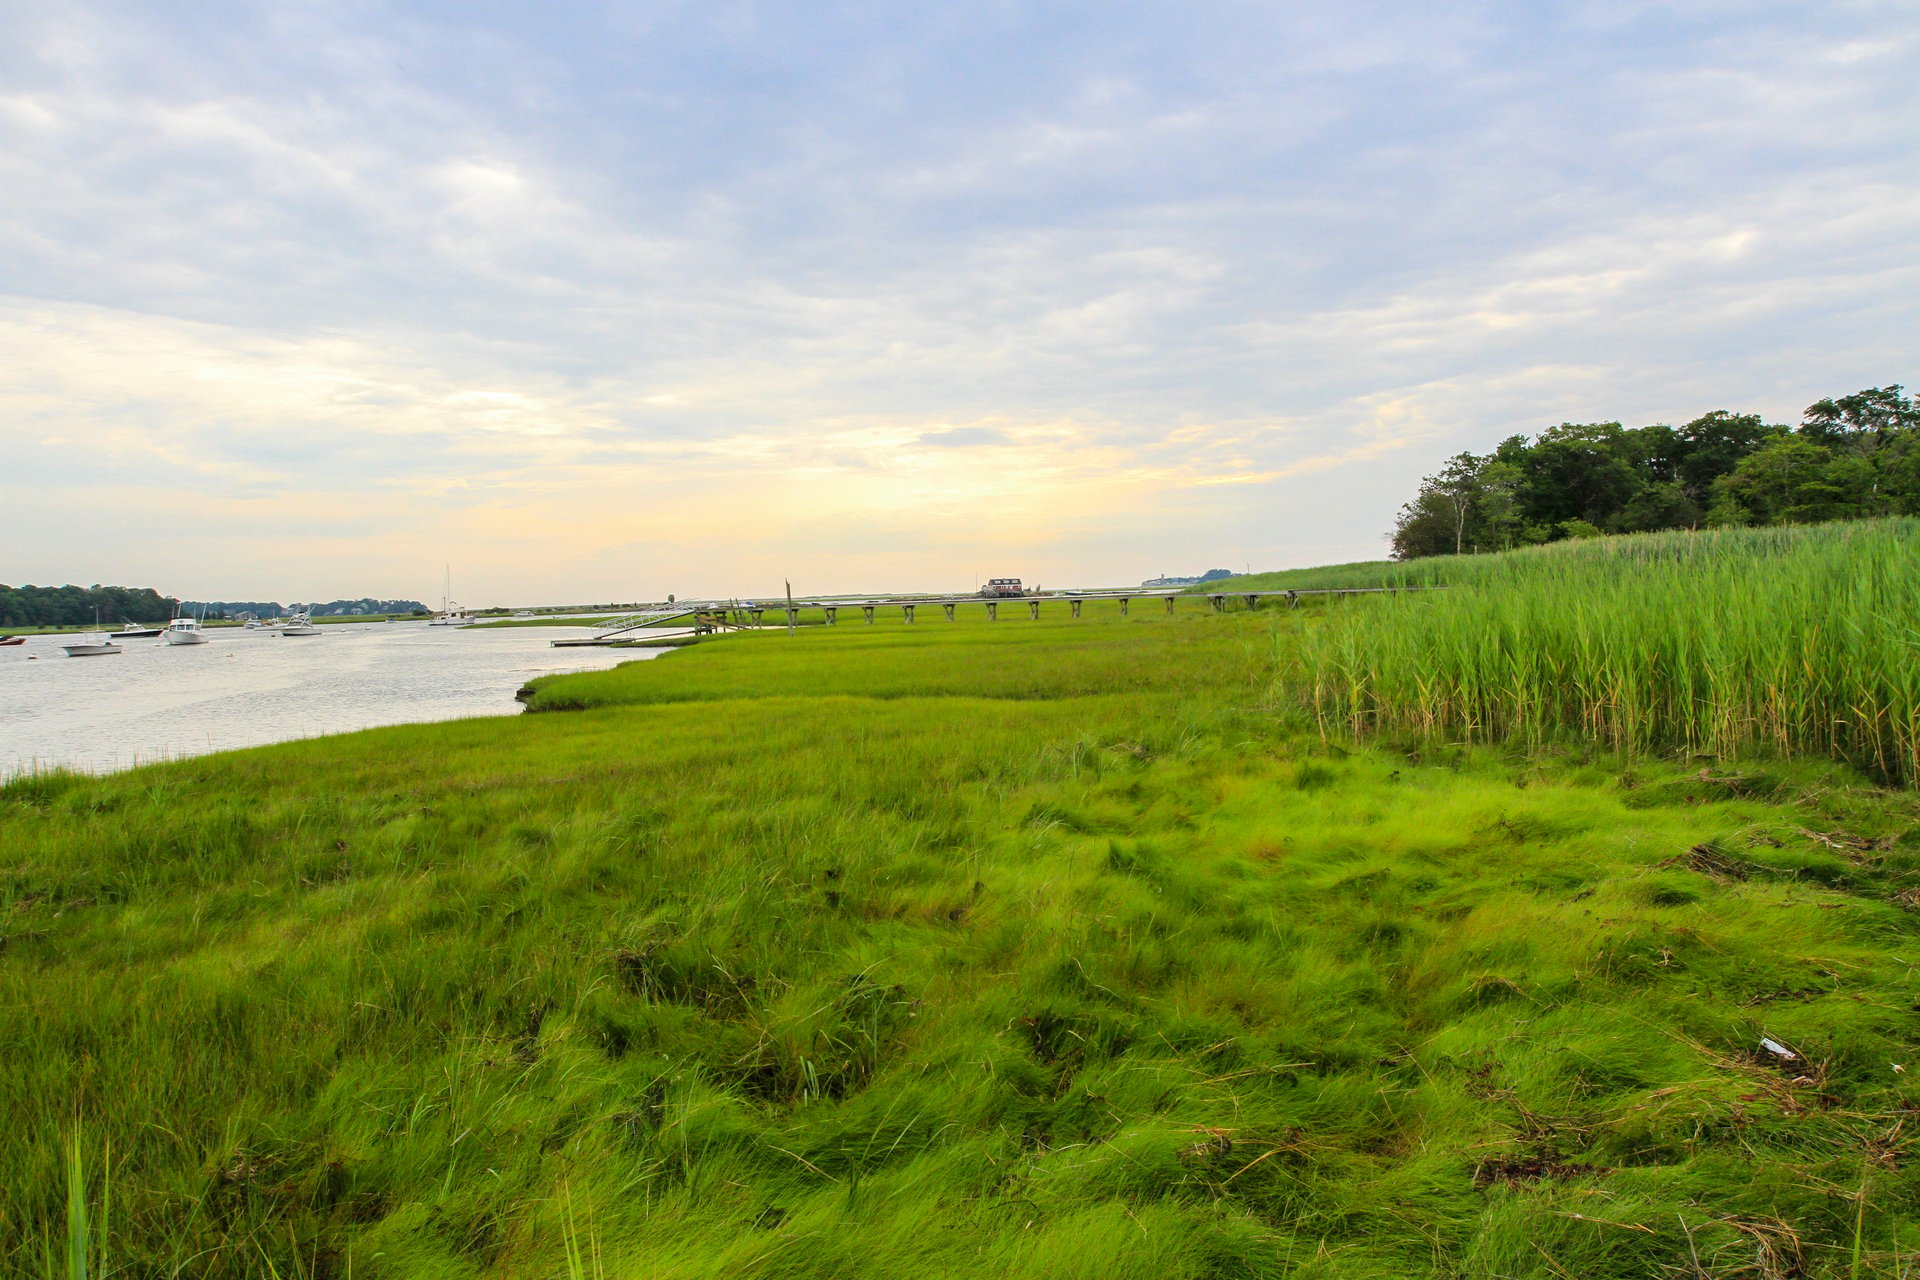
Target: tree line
[[1850, 457], [224, 609], [72, 606]]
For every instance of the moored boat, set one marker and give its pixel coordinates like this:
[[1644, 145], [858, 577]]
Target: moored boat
[[185, 631], [301, 625], [134, 631], [451, 614], [92, 646], [13, 639]]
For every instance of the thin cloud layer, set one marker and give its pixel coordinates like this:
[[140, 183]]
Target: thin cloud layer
[[647, 297]]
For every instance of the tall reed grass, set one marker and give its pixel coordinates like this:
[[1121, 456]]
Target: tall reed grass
[[1792, 641]]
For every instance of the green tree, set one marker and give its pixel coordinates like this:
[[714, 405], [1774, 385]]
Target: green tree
[[1712, 445], [1580, 471], [1663, 504], [1424, 526], [1785, 482], [1863, 421], [1501, 497]]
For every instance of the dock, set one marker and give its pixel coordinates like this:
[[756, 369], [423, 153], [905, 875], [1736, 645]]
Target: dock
[[709, 616]]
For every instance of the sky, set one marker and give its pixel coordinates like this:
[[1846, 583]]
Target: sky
[[601, 301]]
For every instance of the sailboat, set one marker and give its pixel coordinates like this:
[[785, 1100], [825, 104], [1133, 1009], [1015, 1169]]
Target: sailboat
[[451, 614]]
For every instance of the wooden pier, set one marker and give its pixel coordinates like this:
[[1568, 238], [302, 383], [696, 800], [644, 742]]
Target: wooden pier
[[708, 616]]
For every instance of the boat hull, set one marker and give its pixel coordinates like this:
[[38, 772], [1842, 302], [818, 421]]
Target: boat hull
[[185, 637], [91, 650], [299, 631]]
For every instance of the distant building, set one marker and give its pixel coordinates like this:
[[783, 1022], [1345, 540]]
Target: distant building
[[1211, 575], [1003, 587]]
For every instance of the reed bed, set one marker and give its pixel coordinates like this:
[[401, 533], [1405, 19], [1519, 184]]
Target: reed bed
[[1788, 641]]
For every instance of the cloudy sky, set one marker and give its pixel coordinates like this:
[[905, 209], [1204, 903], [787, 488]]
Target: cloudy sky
[[601, 301]]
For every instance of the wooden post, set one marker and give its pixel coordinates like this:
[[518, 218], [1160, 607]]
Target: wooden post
[[833, 614], [948, 606], [755, 615], [1219, 603], [1033, 610], [1124, 601], [908, 610], [868, 610], [1293, 599], [993, 611], [793, 619], [1169, 604], [1252, 600], [1076, 608]]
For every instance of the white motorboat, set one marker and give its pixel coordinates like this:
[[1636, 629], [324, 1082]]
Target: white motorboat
[[185, 631], [301, 625], [92, 646]]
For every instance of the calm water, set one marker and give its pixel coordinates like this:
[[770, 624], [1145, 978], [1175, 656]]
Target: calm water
[[244, 688]]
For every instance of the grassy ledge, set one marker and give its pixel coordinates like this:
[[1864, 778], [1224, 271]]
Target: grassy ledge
[[1028, 949]]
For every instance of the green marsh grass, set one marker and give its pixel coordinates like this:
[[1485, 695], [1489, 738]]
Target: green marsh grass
[[1034, 950], [1101, 654], [1330, 577], [1786, 641]]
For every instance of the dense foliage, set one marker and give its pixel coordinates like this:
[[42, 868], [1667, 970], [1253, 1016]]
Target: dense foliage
[[72, 606], [274, 609], [1851, 457]]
